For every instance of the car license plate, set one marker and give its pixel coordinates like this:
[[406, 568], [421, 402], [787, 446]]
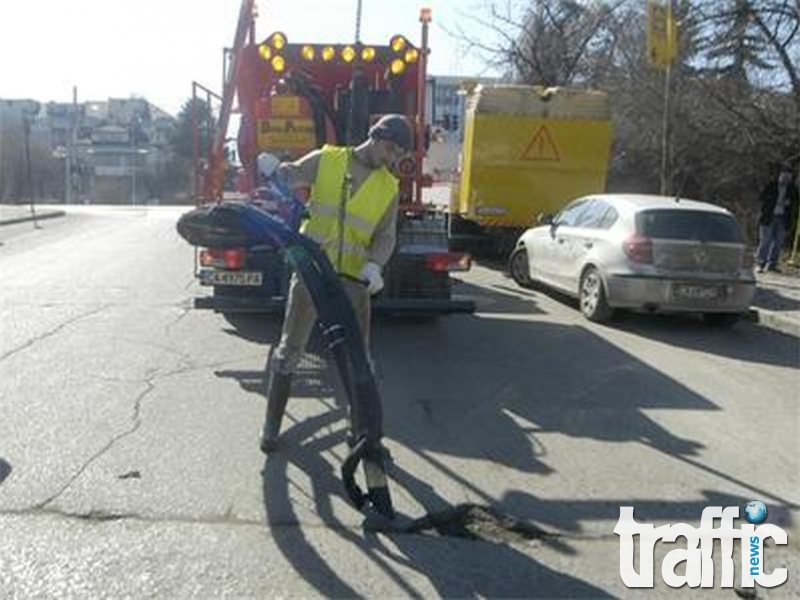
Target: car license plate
[[697, 292], [242, 278]]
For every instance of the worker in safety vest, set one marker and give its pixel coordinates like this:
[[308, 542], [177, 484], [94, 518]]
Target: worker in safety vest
[[353, 215]]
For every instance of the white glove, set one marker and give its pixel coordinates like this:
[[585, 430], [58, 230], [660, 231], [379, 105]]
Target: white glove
[[371, 275], [267, 164]]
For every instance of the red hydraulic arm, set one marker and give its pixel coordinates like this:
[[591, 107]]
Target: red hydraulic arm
[[425, 19], [215, 175]]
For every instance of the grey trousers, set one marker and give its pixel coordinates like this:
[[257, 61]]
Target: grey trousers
[[770, 243], [301, 315]]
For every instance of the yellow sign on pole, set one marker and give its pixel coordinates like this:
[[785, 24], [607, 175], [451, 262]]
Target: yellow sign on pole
[[662, 34]]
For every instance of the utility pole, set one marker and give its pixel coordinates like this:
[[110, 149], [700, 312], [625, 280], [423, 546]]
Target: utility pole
[[666, 134], [796, 243], [666, 143], [662, 50]]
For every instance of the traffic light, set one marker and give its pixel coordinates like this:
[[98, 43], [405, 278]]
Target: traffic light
[[455, 122]]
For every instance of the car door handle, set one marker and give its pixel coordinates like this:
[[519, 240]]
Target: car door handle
[[588, 245], [560, 240]]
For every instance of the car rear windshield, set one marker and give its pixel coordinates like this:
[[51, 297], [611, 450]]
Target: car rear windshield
[[688, 225]]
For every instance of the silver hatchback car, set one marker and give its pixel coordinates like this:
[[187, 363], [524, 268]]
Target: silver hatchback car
[[640, 252]]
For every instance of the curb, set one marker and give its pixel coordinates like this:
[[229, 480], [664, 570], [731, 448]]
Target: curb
[[773, 320], [50, 214]]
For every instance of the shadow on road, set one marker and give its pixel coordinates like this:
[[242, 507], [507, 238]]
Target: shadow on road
[[453, 568], [506, 298], [254, 327], [5, 470], [484, 386], [772, 300], [567, 514], [743, 342]]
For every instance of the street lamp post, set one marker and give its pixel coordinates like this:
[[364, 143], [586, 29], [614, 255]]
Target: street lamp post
[[133, 174], [26, 128], [70, 146]]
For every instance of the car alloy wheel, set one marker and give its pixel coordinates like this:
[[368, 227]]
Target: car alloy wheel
[[518, 267], [592, 296]]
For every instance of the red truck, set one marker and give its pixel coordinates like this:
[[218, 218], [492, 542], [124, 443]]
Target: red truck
[[293, 97]]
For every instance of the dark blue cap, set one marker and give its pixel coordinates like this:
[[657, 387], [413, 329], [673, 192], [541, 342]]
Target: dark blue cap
[[394, 128]]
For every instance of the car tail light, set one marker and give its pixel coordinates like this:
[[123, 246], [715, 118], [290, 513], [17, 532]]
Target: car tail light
[[444, 262], [639, 249], [223, 259]]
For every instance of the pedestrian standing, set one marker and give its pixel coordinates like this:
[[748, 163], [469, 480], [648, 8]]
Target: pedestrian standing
[[779, 203]]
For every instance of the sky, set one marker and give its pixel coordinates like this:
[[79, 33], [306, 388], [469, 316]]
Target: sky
[[156, 48]]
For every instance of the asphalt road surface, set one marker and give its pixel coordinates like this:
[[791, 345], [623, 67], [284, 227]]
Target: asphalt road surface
[[129, 428]]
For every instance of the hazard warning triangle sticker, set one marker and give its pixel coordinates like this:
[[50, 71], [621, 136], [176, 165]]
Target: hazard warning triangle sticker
[[542, 147]]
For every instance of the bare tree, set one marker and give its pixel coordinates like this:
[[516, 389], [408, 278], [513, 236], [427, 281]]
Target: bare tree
[[545, 42], [754, 40], [46, 171], [735, 90]]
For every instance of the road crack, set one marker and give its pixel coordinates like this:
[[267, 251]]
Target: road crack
[[137, 422], [55, 331], [150, 381]]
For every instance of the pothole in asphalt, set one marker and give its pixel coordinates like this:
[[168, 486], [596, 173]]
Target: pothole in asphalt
[[476, 522]]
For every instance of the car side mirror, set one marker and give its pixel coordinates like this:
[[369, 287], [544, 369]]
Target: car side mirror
[[544, 219]]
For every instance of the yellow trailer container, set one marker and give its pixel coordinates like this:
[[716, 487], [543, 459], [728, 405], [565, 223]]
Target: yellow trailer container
[[528, 150]]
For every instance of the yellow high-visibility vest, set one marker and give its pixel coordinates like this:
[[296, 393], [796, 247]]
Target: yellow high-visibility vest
[[344, 227]]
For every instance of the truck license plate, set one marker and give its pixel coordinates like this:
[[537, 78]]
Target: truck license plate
[[242, 278]]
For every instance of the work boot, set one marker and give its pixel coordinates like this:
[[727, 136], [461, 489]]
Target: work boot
[[277, 396]]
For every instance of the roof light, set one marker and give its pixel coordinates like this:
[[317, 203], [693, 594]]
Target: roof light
[[368, 54], [397, 67], [277, 40], [328, 53], [278, 64], [348, 54], [412, 55], [265, 51], [308, 52], [398, 43]]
